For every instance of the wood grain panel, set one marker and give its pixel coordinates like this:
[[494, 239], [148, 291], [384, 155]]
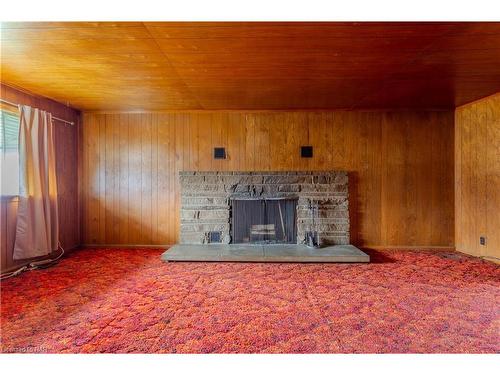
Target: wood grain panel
[[67, 145], [400, 166], [477, 177], [256, 65]]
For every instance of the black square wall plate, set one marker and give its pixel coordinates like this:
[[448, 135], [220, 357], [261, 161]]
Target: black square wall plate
[[219, 153], [306, 151]]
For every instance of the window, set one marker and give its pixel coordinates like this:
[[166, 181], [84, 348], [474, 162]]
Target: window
[[9, 149]]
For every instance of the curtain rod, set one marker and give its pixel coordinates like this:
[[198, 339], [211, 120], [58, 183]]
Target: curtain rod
[[54, 117]]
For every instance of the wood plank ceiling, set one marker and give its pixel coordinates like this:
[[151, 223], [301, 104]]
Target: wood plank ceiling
[[191, 66]]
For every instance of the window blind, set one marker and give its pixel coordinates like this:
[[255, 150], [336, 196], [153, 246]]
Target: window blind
[[9, 131], [9, 153]]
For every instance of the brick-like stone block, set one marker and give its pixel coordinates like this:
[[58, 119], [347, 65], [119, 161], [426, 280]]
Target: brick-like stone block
[[238, 179], [196, 227], [200, 202], [211, 179], [201, 188], [191, 179], [289, 188], [215, 214], [269, 190]]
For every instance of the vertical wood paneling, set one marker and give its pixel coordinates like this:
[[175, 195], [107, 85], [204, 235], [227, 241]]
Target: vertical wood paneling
[[101, 157], [249, 138], [459, 119], [400, 165], [135, 174], [67, 164], [179, 165], [93, 180], [145, 221], [477, 177], [370, 184], [110, 174], [154, 179], [164, 181], [123, 168], [116, 127]]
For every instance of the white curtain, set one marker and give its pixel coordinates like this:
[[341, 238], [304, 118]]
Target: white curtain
[[37, 231]]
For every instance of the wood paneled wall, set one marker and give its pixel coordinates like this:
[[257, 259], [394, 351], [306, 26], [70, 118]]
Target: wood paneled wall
[[477, 177], [67, 178], [400, 164]]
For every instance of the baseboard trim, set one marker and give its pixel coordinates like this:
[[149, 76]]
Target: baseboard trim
[[489, 258], [123, 246], [403, 248], [166, 246]]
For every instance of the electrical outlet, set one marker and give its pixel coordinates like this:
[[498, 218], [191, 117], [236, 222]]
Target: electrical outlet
[[482, 240]]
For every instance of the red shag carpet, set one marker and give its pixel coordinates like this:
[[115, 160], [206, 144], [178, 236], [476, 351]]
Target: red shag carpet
[[122, 300]]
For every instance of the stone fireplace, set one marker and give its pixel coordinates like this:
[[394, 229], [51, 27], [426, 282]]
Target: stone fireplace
[[264, 207]]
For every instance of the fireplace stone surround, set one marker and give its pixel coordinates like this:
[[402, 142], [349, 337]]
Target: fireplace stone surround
[[322, 202]]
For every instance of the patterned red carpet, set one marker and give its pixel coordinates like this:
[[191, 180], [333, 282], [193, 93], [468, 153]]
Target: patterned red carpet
[[129, 301]]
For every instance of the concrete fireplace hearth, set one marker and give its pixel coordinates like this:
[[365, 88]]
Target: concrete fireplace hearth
[[264, 216]]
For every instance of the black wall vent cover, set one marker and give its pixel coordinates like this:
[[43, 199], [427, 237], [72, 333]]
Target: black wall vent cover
[[219, 153], [306, 151]]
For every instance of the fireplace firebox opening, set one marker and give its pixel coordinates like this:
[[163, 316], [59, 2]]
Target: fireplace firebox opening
[[264, 220]]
